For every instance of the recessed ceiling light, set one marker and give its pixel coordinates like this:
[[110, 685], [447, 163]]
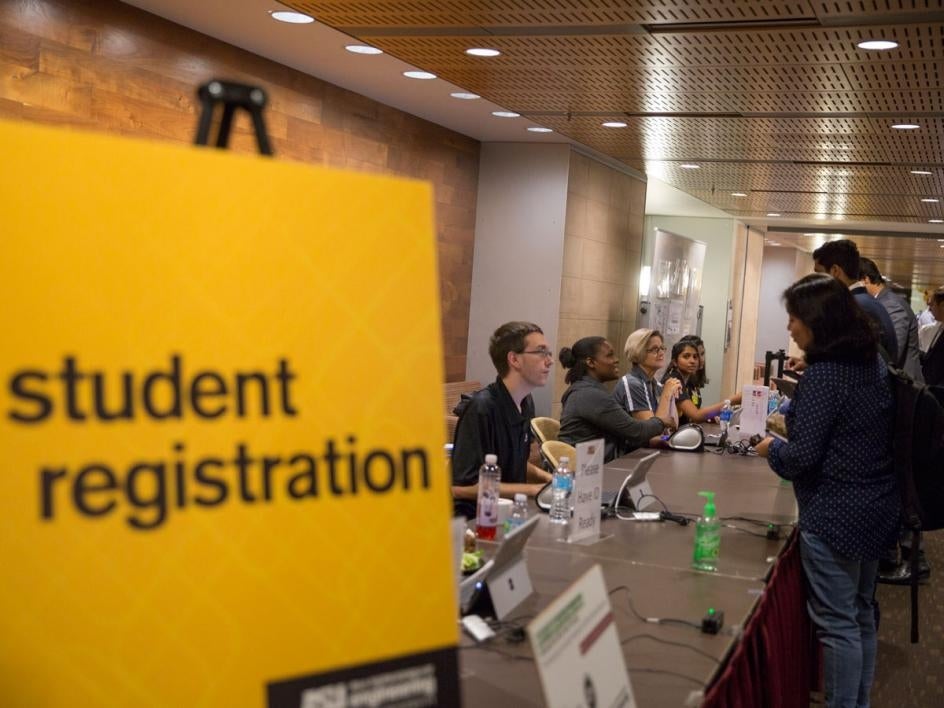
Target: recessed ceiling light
[[294, 18], [772, 213], [614, 124], [363, 49], [738, 194], [425, 75], [936, 221], [539, 129], [877, 44], [906, 126], [690, 166], [920, 172], [482, 52], [506, 114], [465, 95], [929, 200]]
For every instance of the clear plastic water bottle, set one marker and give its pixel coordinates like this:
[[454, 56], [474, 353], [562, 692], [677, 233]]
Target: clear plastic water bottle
[[773, 402], [486, 516], [519, 514], [725, 417], [561, 486]]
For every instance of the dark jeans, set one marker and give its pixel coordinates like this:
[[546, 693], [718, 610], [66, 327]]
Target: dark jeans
[[840, 605]]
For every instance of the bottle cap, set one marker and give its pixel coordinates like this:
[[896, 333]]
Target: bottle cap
[[491, 459], [521, 498], [727, 401]]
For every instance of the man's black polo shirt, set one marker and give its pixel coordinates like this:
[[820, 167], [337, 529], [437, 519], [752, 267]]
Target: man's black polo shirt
[[490, 422]]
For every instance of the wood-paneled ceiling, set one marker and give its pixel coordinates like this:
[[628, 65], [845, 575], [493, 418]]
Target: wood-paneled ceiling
[[771, 98], [912, 263]]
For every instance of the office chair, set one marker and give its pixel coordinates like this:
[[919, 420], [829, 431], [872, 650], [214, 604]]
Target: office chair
[[553, 450], [545, 429]]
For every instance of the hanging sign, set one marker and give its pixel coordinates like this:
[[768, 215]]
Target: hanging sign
[[220, 416]]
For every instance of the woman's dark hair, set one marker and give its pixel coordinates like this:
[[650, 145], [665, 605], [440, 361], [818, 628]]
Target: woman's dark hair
[[574, 358], [673, 371], [699, 379], [841, 330]]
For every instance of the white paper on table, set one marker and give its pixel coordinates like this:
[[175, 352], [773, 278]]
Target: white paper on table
[[577, 649]]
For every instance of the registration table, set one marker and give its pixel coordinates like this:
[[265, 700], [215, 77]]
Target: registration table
[[765, 642]]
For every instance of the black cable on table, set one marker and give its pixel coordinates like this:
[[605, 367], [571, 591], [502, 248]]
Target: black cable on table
[[651, 620], [683, 645]]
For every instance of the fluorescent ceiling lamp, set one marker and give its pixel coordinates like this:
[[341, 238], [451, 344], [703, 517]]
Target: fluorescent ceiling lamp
[[614, 124], [424, 75], [906, 126], [690, 166], [539, 129], [920, 172], [774, 243], [936, 221], [738, 194], [482, 52], [293, 18], [506, 114], [363, 49], [465, 95], [773, 213], [928, 200], [877, 44]]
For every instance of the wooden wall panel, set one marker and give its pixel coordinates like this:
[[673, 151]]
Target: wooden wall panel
[[106, 66]]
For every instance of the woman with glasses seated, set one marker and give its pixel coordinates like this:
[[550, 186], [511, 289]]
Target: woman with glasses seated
[[590, 412], [684, 366], [639, 392]]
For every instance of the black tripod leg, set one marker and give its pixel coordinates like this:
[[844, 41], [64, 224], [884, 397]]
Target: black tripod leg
[[226, 125]]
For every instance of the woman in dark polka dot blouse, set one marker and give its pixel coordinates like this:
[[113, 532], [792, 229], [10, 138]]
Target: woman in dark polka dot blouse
[[838, 457]]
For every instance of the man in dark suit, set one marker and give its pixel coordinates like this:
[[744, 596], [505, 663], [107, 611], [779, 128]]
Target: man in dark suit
[[906, 324], [840, 259]]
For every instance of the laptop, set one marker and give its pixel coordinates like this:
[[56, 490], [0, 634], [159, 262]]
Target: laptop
[[634, 491], [508, 553]]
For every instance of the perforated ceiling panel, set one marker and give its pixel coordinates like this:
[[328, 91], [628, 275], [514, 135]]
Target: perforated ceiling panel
[[770, 98]]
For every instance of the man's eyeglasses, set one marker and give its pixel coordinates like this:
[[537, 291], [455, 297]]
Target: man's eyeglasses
[[546, 353], [656, 350]]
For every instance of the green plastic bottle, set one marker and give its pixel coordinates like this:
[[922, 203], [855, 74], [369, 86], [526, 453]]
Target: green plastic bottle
[[707, 536]]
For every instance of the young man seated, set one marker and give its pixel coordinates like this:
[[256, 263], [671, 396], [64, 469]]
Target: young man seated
[[497, 419]]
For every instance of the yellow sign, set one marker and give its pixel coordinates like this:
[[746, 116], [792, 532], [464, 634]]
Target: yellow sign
[[220, 468]]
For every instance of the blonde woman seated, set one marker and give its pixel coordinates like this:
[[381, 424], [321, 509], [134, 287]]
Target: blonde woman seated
[[639, 392]]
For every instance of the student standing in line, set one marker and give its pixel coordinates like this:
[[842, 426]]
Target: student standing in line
[[926, 317], [590, 412], [840, 259], [904, 320], [932, 361], [497, 419], [684, 367], [839, 458]]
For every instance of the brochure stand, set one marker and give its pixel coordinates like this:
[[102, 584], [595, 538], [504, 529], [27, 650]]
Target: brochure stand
[[231, 96]]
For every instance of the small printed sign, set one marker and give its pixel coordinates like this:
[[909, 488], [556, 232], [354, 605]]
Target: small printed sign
[[754, 413], [577, 649], [588, 483]]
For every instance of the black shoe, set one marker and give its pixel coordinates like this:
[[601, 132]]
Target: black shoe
[[902, 574], [887, 565]]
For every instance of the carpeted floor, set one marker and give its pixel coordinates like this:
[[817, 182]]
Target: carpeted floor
[[912, 675]]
